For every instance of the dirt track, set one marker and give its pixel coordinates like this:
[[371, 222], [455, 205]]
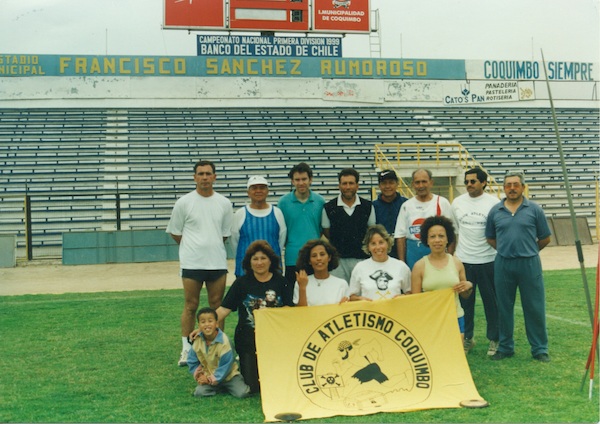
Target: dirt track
[[52, 277]]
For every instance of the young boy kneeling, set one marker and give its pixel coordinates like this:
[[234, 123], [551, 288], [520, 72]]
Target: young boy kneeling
[[212, 361]]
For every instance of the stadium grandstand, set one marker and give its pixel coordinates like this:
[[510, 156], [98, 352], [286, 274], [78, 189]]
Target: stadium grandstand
[[111, 151]]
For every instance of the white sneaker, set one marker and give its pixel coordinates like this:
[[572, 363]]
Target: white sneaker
[[183, 358], [492, 348]]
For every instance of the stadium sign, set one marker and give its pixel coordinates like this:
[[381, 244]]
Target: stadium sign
[[490, 92], [243, 45], [20, 65], [341, 15], [519, 70], [335, 16]]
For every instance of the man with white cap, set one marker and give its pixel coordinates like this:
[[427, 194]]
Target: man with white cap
[[257, 221]]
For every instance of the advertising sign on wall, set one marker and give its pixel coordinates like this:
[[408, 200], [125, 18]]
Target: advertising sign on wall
[[244, 45], [532, 70], [490, 92], [341, 15]]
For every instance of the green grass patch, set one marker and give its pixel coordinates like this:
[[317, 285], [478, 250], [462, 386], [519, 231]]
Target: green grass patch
[[111, 357]]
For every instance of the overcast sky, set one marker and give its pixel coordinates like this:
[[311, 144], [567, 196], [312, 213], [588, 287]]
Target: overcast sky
[[566, 30]]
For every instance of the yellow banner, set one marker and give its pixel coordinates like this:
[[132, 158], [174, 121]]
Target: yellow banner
[[362, 358]]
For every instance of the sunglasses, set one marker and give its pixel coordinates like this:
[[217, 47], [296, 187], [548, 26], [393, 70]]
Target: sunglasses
[[471, 181]]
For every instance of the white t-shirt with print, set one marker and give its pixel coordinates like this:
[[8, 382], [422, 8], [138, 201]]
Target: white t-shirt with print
[[470, 217], [413, 212], [380, 280]]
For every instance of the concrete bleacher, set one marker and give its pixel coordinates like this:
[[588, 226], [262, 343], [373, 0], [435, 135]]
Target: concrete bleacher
[[526, 139], [72, 161]]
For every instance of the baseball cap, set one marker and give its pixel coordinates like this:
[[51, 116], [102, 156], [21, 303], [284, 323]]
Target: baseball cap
[[387, 174], [257, 180]]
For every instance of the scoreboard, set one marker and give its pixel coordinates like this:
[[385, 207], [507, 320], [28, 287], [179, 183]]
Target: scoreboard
[[335, 16], [269, 15]]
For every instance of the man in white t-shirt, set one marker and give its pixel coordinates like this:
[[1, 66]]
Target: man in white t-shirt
[[470, 212], [412, 214], [257, 221], [200, 223]]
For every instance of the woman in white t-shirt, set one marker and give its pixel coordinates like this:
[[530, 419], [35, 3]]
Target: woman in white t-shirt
[[380, 276], [314, 285]]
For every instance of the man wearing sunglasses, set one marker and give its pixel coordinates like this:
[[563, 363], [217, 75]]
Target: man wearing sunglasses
[[470, 212]]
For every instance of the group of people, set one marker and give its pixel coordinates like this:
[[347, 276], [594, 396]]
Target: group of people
[[350, 249]]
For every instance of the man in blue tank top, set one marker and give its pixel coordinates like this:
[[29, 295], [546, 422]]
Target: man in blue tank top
[[257, 221]]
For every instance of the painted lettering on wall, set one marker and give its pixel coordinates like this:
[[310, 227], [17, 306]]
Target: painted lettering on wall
[[124, 65], [20, 65], [528, 70]]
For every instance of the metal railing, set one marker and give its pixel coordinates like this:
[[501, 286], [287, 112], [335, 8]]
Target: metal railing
[[40, 219], [415, 155]]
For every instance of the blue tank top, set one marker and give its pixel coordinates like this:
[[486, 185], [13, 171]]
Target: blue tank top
[[256, 228]]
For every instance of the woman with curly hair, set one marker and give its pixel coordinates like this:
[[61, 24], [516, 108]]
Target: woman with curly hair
[[439, 269], [314, 284]]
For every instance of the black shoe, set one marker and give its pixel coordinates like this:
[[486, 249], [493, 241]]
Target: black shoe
[[542, 357], [498, 356]]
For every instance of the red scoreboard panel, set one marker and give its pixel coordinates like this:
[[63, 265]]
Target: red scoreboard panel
[[269, 15], [336, 16], [195, 13], [341, 16]]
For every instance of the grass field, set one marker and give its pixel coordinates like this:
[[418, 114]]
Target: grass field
[[111, 357]]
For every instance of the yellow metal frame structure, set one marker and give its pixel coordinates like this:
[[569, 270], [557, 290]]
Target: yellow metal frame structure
[[421, 155], [416, 155]]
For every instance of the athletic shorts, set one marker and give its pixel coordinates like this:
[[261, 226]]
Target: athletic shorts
[[203, 275]]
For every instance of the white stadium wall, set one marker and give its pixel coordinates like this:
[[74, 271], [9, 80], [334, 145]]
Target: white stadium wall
[[32, 81], [186, 92]]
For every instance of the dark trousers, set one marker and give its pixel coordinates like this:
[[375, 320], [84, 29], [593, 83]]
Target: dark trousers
[[526, 274], [482, 276], [290, 281], [246, 348], [249, 370]]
